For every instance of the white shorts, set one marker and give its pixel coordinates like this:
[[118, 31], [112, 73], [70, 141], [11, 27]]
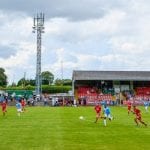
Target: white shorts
[[19, 110], [107, 115]]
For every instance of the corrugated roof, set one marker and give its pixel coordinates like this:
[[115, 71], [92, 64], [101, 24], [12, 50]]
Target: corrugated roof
[[111, 75]]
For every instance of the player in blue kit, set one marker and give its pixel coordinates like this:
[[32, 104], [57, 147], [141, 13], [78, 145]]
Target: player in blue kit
[[19, 108], [107, 114], [146, 104]]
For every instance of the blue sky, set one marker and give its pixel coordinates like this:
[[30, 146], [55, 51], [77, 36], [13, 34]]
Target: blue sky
[[83, 34]]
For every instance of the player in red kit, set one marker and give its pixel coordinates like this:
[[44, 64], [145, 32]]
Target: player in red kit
[[129, 107], [98, 111], [23, 103], [138, 117], [4, 106]]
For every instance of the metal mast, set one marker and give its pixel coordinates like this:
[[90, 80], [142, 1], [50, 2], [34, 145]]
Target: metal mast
[[38, 27]]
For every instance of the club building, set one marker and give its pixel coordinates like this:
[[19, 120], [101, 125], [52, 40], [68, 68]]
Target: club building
[[90, 86]]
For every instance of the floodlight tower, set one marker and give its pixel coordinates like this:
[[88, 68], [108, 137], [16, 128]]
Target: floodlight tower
[[38, 27]]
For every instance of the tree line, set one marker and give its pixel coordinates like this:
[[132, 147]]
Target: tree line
[[46, 76]]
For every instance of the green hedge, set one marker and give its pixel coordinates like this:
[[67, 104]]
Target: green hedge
[[45, 88], [55, 89]]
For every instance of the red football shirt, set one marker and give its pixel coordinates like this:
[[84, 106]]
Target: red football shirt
[[137, 112], [23, 103], [97, 108], [129, 104], [4, 104]]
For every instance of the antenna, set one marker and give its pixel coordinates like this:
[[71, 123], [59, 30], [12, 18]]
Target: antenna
[[38, 27]]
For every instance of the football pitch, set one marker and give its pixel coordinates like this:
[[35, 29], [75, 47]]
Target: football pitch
[[59, 128]]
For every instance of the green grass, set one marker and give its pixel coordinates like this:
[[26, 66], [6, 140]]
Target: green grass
[[59, 128]]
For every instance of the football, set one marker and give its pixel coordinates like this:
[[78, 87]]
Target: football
[[81, 117]]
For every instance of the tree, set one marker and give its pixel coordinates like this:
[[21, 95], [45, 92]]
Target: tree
[[23, 82], [3, 77], [47, 78], [63, 82], [67, 82], [32, 82], [58, 82]]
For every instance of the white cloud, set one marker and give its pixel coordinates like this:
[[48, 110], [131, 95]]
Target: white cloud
[[103, 35], [86, 29]]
